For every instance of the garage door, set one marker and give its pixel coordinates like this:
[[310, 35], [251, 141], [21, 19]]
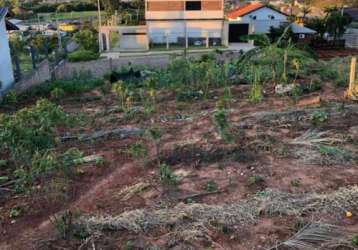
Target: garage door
[[236, 31]]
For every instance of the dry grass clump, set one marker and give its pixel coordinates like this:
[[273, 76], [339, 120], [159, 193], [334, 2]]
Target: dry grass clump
[[271, 202], [144, 220], [333, 116], [338, 202], [321, 148], [316, 236]]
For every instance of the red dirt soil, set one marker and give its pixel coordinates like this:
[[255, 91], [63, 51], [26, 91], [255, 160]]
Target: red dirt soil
[[97, 189]]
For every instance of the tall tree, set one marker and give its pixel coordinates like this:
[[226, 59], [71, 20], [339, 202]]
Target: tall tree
[[336, 22]]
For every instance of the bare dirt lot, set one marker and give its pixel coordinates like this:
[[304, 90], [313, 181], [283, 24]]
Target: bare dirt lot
[[204, 154], [252, 193]]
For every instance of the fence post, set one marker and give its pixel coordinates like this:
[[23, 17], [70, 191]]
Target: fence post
[[110, 64], [167, 40], [33, 57], [352, 78]]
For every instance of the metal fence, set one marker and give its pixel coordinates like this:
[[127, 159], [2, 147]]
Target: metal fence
[[181, 39]]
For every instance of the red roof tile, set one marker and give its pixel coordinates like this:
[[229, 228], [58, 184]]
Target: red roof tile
[[246, 9]]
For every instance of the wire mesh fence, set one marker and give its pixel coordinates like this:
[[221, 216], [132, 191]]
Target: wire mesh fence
[[28, 53]]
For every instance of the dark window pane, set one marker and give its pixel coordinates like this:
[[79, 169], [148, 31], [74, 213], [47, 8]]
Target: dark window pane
[[193, 5]]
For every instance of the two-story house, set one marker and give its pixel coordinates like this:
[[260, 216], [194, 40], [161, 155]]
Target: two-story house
[[180, 23], [185, 22]]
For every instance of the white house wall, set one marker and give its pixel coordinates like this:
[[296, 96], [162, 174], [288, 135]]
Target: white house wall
[[264, 14], [263, 20], [260, 26], [158, 30], [172, 15], [6, 71]]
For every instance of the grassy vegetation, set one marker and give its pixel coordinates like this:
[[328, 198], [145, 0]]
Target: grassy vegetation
[[82, 56], [70, 15]]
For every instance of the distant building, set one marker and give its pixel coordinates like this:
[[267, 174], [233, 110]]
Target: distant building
[[258, 18], [6, 70], [188, 23], [182, 21], [176, 22]]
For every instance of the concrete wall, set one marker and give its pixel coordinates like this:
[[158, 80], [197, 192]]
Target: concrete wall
[[133, 38], [40, 75], [6, 70], [98, 68]]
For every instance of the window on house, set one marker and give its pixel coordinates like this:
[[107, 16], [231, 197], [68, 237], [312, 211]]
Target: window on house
[[192, 5]]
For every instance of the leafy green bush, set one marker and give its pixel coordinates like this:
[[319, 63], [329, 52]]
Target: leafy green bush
[[30, 130], [44, 164], [319, 117], [82, 56], [57, 93], [138, 150], [211, 186], [222, 125], [335, 70], [355, 240], [28, 137], [9, 98], [277, 64], [166, 175], [59, 88]]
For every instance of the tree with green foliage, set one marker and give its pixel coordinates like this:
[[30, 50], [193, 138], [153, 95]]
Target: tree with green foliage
[[317, 24], [87, 39], [336, 22]]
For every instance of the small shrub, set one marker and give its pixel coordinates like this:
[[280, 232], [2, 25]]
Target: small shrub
[[74, 86], [319, 117], [221, 123], [255, 95], [122, 93], [57, 94], [10, 98], [296, 183], [65, 226], [166, 175], [82, 56], [129, 245], [256, 179], [14, 212], [355, 240], [211, 186], [30, 130], [189, 95], [138, 150]]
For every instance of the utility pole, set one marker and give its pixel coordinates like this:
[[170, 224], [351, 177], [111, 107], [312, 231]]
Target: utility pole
[[99, 25], [58, 34]]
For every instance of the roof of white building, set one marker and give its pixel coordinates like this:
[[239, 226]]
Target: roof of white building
[[249, 8], [300, 29]]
